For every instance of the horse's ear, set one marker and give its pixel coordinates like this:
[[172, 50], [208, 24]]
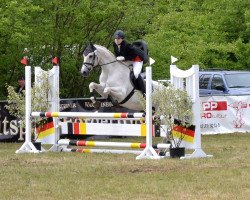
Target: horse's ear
[[92, 46], [89, 49], [85, 45]]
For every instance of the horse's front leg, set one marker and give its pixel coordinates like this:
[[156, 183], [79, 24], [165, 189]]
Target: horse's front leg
[[99, 89]]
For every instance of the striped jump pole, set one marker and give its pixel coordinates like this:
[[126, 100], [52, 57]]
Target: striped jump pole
[[89, 115], [110, 144], [113, 151]]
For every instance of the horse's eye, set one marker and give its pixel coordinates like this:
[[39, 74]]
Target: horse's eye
[[91, 56]]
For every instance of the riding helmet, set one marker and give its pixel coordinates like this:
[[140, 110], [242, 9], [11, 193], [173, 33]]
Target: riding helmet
[[119, 34]]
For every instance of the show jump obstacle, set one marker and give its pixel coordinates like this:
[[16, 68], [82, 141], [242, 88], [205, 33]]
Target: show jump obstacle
[[178, 77]]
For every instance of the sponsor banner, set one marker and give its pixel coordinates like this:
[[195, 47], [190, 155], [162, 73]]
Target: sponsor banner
[[9, 126], [225, 114]]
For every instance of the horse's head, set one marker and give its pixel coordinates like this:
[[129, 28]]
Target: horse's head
[[90, 59]]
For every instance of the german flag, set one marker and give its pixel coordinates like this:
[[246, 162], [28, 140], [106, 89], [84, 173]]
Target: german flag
[[186, 133], [45, 128], [76, 128]]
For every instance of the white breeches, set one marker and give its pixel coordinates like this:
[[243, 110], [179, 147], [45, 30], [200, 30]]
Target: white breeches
[[137, 67]]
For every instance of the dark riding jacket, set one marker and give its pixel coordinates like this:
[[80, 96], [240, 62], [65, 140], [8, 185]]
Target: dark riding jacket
[[20, 89], [128, 51]]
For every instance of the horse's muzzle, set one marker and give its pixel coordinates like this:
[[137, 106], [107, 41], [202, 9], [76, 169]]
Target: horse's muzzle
[[84, 72]]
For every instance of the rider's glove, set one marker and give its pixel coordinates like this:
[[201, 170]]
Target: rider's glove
[[120, 58]]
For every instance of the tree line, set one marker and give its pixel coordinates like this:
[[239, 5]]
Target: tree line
[[213, 34]]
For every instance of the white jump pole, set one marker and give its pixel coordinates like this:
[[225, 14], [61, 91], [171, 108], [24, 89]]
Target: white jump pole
[[198, 152], [149, 152], [55, 104], [28, 146]]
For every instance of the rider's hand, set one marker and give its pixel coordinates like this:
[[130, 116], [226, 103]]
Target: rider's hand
[[120, 58]]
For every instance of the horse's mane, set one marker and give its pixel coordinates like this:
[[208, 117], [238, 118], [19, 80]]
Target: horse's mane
[[104, 49]]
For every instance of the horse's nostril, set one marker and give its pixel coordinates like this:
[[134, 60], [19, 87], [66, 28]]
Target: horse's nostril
[[85, 74]]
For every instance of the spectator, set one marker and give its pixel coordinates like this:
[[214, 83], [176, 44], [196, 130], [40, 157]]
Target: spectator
[[21, 84]]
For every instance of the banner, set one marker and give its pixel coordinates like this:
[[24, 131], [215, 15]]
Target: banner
[[9, 125], [225, 114]]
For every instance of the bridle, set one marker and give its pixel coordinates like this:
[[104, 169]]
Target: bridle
[[88, 64]]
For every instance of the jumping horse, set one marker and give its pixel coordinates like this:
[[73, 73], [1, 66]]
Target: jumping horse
[[114, 82]]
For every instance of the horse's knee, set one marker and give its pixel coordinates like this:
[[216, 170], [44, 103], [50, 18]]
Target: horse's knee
[[107, 91]]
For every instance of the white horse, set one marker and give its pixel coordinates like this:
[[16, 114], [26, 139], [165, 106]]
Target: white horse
[[114, 80]]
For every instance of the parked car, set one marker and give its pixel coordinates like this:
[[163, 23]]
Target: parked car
[[214, 82]]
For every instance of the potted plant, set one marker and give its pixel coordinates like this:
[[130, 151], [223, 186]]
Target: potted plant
[[174, 110], [16, 104]]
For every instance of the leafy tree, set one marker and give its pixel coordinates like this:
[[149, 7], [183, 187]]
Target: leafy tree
[[197, 33], [194, 31], [15, 32], [57, 28]]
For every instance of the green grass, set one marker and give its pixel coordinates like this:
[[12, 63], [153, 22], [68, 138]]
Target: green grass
[[50, 176]]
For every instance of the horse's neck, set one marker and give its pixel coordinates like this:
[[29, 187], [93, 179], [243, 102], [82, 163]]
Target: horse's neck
[[104, 55], [109, 64]]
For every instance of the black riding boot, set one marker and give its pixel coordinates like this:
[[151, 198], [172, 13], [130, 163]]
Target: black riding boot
[[141, 84]]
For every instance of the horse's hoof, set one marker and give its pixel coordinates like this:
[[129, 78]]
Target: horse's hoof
[[162, 153], [97, 104], [93, 99]]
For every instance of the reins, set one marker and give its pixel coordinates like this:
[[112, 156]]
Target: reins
[[108, 63], [95, 56]]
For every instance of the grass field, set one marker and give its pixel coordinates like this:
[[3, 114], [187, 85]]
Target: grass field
[[50, 176]]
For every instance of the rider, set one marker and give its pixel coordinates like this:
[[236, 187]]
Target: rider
[[125, 51]]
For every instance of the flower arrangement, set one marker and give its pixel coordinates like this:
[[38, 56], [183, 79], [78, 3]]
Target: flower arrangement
[[173, 108], [16, 101]]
